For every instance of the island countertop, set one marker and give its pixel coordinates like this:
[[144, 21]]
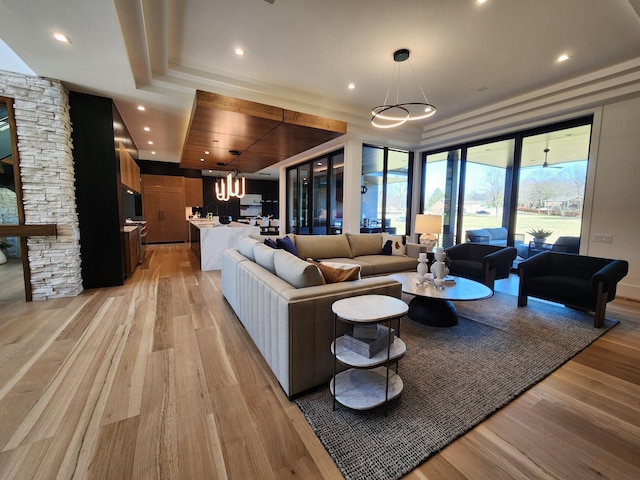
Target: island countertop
[[209, 238]]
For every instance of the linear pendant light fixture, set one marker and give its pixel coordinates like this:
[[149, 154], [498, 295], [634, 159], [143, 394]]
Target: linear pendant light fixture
[[230, 187], [390, 115]]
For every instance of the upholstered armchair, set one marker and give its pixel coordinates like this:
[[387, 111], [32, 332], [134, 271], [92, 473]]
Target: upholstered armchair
[[481, 262], [577, 281]]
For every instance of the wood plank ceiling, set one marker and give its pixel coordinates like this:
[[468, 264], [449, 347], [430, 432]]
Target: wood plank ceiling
[[247, 136]]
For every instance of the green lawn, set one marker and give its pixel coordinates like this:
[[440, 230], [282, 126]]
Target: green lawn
[[560, 226]]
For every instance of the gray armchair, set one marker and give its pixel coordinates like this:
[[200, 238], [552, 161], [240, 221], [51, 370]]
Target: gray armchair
[[577, 281]]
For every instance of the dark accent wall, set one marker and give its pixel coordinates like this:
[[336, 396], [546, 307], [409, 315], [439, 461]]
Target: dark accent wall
[[268, 189], [151, 167], [96, 125]]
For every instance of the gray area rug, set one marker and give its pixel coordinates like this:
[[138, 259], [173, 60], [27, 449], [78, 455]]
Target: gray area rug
[[453, 379]]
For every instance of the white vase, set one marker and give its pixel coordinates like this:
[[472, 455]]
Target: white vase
[[437, 268], [3, 257], [438, 254], [422, 268]]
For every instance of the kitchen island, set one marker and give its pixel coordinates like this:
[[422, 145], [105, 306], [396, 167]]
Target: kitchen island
[[209, 238]]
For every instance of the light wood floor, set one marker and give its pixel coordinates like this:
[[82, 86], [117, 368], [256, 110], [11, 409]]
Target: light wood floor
[[158, 379]]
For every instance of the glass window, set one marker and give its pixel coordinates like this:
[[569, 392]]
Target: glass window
[[335, 197], [525, 181], [484, 185], [314, 197], [553, 175], [440, 192], [384, 203]]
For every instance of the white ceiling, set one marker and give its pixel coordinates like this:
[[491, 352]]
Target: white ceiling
[[302, 54]]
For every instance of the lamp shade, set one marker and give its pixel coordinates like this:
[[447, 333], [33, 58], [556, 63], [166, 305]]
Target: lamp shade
[[428, 223]]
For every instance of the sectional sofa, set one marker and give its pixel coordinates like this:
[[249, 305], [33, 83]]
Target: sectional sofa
[[285, 303]]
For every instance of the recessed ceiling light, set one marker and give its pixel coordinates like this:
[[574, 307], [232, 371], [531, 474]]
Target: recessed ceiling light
[[563, 58], [206, 152], [481, 1], [147, 129], [141, 108], [351, 86], [61, 37], [239, 52], [153, 152], [202, 159], [150, 142]]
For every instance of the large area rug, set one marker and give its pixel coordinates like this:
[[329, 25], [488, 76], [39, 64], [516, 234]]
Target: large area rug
[[453, 379]]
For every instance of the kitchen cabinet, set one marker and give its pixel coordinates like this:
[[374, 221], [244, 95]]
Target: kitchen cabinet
[[163, 200], [129, 170], [99, 137], [131, 243], [193, 192]]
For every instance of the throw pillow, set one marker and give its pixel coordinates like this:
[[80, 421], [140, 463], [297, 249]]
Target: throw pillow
[[398, 243], [270, 242], [334, 272], [386, 249], [287, 244]]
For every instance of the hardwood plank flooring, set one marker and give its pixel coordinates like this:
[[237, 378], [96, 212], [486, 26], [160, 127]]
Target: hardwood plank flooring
[[157, 379]]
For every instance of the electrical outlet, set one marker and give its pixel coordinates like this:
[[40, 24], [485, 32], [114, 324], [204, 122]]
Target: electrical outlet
[[603, 238]]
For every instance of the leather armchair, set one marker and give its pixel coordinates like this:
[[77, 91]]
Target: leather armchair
[[577, 281], [481, 262]]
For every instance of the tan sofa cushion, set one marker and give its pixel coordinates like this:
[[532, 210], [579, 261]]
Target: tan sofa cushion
[[365, 243], [295, 271], [323, 246], [383, 264]]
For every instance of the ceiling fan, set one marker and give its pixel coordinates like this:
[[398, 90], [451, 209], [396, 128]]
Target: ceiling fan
[[546, 164]]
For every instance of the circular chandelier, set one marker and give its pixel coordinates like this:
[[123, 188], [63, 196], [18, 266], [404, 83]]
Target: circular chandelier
[[390, 115]]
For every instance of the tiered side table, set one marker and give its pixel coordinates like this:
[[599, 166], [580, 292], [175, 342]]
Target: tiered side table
[[369, 382]]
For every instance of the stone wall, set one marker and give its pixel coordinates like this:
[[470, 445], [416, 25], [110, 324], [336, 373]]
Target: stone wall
[[41, 109]]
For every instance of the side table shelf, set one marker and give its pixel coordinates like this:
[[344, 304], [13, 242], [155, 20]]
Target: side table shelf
[[369, 382]]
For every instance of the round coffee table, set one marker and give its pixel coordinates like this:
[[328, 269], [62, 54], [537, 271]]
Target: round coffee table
[[434, 306]]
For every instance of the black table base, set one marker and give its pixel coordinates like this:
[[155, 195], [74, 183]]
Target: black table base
[[433, 311]]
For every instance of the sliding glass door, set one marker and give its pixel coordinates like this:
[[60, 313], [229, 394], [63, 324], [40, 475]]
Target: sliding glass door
[[553, 175], [314, 195], [530, 180], [487, 172], [385, 190]]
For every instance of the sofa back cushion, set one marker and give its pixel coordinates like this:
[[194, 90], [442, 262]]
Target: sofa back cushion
[[295, 271], [246, 246], [323, 246], [264, 256], [365, 243], [479, 235], [497, 233]]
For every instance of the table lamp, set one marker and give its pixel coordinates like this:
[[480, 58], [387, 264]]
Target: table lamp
[[429, 226]]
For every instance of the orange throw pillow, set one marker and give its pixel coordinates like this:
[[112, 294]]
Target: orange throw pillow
[[337, 272]]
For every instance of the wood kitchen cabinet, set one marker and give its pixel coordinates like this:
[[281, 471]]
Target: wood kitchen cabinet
[[163, 200], [129, 170], [131, 243], [193, 192]]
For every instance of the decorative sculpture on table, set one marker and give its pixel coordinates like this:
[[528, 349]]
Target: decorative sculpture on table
[[439, 268], [422, 269]]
